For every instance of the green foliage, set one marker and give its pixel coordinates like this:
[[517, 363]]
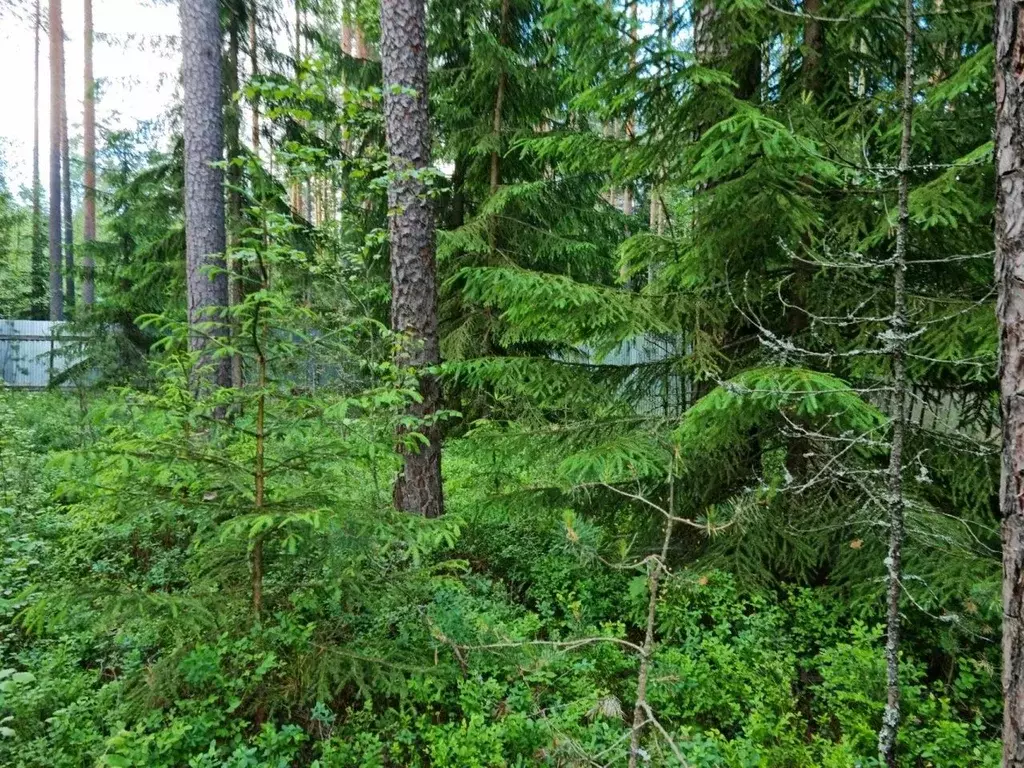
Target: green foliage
[[138, 646], [17, 281], [665, 262]]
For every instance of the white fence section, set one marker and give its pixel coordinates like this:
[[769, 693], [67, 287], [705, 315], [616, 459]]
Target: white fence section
[[32, 352]]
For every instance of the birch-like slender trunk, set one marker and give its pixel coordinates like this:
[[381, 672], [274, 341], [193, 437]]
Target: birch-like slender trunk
[[1009, 242], [655, 570], [898, 334]]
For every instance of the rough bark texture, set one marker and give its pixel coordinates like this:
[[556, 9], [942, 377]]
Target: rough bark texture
[[411, 231], [813, 69], [1009, 240], [89, 148], [711, 47], [65, 174], [204, 183], [38, 277], [233, 140], [254, 67], [898, 332], [704, 47], [56, 68]]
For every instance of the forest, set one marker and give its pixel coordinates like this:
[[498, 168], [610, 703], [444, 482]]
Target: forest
[[512, 383]]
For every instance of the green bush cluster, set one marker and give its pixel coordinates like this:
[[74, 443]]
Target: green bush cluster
[[126, 637]]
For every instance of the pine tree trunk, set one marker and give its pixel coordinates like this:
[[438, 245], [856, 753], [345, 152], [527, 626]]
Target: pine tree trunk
[[56, 68], [712, 47], [347, 36], [65, 173], [361, 52], [628, 129], [704, 47], [898, 333], [38, 266], [232, 136], [254, 67], [499, 101], [296, 187], [204, 183], [411, 229], [1009, 241], [89, 150], [813, 68], [628, 134]]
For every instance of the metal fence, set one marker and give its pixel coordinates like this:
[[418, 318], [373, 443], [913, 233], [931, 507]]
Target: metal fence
[[33, 352], [664, 391]]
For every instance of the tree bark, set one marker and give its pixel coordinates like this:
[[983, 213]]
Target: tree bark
[[56, 68], [65, 172], [1009, 242], [711, 47], [38, 276], [296, 188], [898, 333], [813, 67], [411, 230], [361, 51], [233, 140], [254, 66], [204, 183], [347, 37], [89, 150], [499, 101]]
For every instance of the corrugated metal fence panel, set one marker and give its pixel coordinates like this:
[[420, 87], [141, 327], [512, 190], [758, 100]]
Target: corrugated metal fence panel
[[661, 395], [31, 351], [935, 410]]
